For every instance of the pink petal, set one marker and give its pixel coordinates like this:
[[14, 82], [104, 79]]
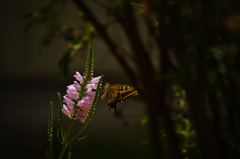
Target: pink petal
[[79, 116], [90, 93], [69, 105], [65, 110], [76, 85], [91, 86], [78, 76], [83, 102], [72, 92], [95, 80], [67, 100]]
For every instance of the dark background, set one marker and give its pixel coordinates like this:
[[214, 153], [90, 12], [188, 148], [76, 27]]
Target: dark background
[[29, 81]]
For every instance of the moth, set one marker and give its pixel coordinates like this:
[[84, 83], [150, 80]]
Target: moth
[[117, 93]]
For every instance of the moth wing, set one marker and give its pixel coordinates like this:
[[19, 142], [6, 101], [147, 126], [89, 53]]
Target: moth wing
[[116, 86], [104, 95], [112, 95], [128, 94], [120, 92], [111, 90]]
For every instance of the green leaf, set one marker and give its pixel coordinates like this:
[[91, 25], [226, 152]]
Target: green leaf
[[58, 136], [46, 40], [60, 106], [79, 139], [83, 16], [143, 121], [64, 63], [187, 124]]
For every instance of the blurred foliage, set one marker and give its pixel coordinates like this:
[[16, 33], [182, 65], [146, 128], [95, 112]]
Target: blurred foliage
[[184, 128], [198, 63], [77, 37]]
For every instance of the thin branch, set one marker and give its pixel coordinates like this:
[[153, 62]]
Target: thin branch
[[112, 46], [147, 72], [163, 46], [128, 23]]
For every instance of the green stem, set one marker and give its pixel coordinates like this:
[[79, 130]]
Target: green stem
[[66, 139], [63, 151], [60, 105], [84, 127], [51, 149]]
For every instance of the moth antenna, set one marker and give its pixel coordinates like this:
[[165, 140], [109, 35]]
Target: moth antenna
[[103, 82]]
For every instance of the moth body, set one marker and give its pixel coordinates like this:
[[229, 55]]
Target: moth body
[[117, 93]]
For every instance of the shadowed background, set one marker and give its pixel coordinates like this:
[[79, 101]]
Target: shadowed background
[[182, 57], [30, 80]]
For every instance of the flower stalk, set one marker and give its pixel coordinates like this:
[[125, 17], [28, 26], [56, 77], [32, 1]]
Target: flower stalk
[[50, 132], [79, 103]]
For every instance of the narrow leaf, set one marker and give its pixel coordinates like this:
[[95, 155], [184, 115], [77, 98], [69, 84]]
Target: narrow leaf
[[143, 121], [78, 140], [60, 106], [58, 136], [64, 63], [81, 138]]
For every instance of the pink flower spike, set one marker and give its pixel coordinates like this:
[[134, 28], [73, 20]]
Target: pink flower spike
[[78, 76], [79, 116], [67, 100], [83, 102], [90, 100], [90, 93], [79, 113], [71, 110], [72, 92], [85, 113], [95, 80], [76, 85], [69, 105], [91, 86], [82, 119], [66, 111]]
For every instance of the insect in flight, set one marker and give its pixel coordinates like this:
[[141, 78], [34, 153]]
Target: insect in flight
[[117, 93]]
